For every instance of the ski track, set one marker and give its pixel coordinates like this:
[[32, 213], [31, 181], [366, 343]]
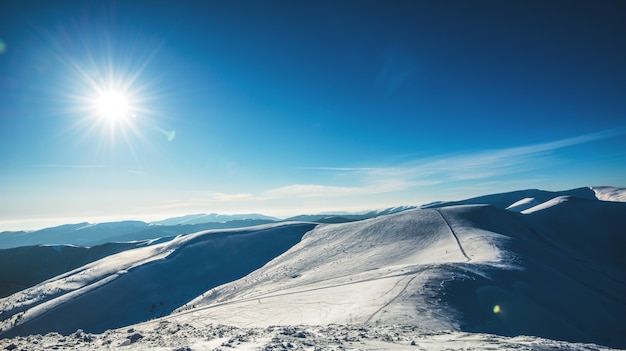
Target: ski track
[[367, 321], [414, 272], [458, 242]]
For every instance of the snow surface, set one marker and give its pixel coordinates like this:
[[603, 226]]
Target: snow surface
[[469, 274], [444, 269], [164, 335], [522, 204], [354, 273], [505, 200], [27, 266], [609, 193], [144, 283], [544, 205]]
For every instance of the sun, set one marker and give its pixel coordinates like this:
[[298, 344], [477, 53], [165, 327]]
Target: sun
[[111, 92], [113, 106]]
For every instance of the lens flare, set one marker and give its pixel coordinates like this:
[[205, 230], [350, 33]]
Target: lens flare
[[496, 309]]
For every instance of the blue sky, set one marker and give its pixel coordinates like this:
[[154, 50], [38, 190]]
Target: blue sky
[[289, 107]]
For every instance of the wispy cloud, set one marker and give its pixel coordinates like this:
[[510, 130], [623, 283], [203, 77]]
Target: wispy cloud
[[368, 187], [231, 197], [475, 165], [479, 167], [483, 169]]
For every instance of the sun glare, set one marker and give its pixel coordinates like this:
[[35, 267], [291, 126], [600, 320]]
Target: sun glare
[[111, 95], [113, 106]]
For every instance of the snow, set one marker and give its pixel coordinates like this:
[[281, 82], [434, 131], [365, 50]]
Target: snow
[[609, 193], [542, 206], [409, 268], [144, 283], [351, 271], [522, 204], [170, 336], [27, 266], [504, 200], [518, 270]]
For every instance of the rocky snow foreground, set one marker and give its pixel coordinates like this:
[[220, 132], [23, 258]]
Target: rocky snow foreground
[[165, 335]]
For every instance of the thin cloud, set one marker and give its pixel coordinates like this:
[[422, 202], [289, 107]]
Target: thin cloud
[[476, 165], [327, 191], [481, 168], [310, 190], [231, 197]]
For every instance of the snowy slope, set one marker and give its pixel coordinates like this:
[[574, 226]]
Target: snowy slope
[[26, 266], [515, 199], [83, 234], [609, 193], [355, 267], [547, 264], [144, 283], [557, 272]]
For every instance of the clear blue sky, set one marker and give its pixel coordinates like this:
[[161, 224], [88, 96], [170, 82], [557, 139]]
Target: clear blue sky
[[288, 107]]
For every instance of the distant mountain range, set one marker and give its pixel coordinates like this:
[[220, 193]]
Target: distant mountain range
[[201, 218], [89, 234]]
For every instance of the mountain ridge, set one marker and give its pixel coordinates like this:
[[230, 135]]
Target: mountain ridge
[[90, 234]]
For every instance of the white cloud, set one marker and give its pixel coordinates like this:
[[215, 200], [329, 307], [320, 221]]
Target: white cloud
[[309, 190], [409, 184], [478, 167], [475, 165], [231, 197]]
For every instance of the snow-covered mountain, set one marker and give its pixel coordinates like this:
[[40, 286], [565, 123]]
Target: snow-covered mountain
[[23, 267], [212, 218], [90, 234], [512, 200], [144, 283], [84, 234], [556, 273], [544, 264]]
